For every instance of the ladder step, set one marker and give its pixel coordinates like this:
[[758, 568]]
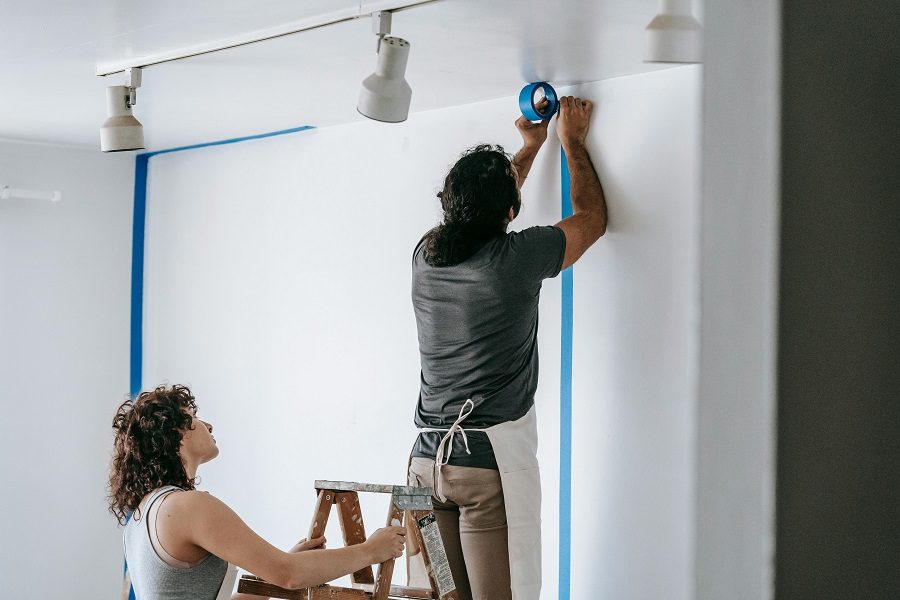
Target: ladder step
[[352, 486], [400, 591], [333, 592], [254, 585]]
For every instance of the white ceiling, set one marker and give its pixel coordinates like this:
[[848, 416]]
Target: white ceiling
[[463, 51]]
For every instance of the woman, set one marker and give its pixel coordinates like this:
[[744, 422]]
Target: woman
[[179, 541]]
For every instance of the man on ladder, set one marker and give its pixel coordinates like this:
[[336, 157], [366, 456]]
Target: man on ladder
[[475, 292]]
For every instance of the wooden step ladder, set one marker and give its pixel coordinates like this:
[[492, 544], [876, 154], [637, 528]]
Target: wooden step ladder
[[406, 502]]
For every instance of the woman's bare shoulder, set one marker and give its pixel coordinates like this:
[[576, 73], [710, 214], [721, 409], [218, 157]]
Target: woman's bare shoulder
[[192, 499]]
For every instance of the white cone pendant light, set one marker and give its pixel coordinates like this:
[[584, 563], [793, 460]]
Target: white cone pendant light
[[121, 131], [385, 94], [674, 35]]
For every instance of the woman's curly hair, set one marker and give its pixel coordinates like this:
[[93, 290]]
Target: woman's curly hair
[[148, 432], [478, 192]]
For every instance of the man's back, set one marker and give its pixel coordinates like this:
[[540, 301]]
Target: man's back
[[477, 324]]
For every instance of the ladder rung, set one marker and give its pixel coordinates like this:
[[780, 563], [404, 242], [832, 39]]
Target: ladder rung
[[254, 585], [400, 591], [258, 587], [333, 592]]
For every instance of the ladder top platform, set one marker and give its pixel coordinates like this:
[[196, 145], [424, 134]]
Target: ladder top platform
[[351, 486]]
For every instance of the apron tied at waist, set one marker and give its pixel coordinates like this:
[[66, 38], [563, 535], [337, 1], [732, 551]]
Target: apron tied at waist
[[445, 447], [514, 444], [447, 441]]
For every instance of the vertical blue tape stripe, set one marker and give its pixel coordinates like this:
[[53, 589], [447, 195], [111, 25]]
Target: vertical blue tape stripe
[[137, 290], [141, 165], [565, 407], [131, 594], [137, 272]]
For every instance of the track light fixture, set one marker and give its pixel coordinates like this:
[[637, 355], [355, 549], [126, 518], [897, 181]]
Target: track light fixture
[[674, 35], [385, 94], [121, 131]]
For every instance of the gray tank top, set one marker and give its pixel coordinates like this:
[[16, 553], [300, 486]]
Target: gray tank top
[[154, 579]]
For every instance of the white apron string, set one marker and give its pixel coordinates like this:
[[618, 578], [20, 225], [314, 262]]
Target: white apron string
[[441, 458]]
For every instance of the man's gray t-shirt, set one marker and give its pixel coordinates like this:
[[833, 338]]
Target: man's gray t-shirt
[[478, 324]]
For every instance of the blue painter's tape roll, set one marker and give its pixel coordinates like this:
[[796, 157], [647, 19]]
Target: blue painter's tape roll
[[526, 101]]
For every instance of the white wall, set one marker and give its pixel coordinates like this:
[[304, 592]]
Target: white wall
[[277, 285], [635, 346], [739, 276], [64, 309]]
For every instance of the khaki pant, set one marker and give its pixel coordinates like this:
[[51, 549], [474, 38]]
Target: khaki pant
[[468, 504]]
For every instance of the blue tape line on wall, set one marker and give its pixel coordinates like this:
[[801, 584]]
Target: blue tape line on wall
[[565, 405], [137, 272], [141, 171]]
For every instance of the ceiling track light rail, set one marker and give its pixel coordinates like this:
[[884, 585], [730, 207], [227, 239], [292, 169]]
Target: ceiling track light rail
[[385, 95], [362, 11]]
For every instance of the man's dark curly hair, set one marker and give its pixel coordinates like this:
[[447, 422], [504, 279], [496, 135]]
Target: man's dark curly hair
[[147, 445], [478, 192]]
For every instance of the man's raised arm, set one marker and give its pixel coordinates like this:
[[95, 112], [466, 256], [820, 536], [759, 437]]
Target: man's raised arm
[[588, 220], [533, 137]]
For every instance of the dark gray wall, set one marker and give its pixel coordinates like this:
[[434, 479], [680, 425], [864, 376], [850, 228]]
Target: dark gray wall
[[839, 322]]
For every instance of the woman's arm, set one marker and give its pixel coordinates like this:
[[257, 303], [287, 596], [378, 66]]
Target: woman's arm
[[203, 521], [300, 546]]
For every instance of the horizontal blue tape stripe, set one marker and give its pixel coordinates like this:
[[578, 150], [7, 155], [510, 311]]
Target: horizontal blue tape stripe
[[141, 170], [229, 141]]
